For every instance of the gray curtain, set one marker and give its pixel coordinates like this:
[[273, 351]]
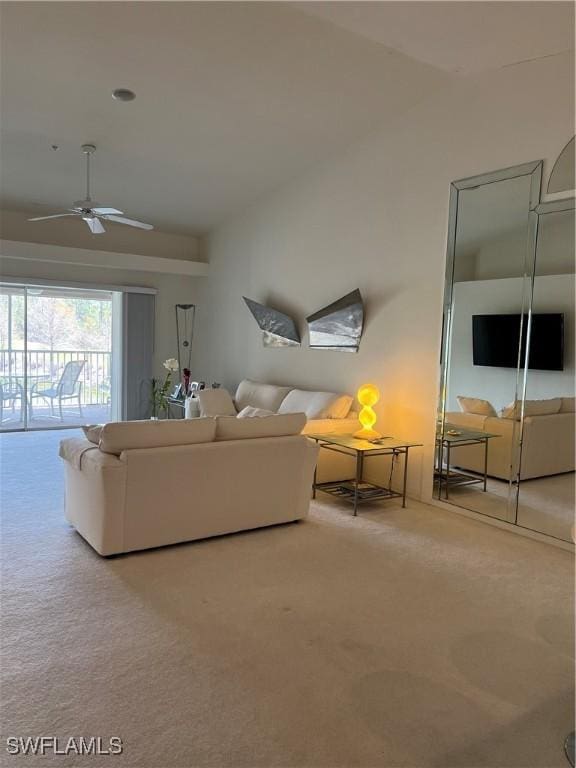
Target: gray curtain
[[137, 354]]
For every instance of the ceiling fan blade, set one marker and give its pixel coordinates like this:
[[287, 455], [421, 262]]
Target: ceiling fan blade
[[54, 216], [95, 226], [130, 222], [101, 210]]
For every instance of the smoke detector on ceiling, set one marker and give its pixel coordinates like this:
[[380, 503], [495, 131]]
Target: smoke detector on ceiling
[[123, 94]]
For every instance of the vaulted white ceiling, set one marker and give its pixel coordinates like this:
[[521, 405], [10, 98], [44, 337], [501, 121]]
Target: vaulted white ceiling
[[233, 98], [463, 37]]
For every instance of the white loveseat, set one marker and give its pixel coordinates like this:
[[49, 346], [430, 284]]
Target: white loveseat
[[547, 443], [151, 483]]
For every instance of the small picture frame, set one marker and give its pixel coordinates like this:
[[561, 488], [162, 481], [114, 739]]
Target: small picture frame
[[193, 386], [178, 393]]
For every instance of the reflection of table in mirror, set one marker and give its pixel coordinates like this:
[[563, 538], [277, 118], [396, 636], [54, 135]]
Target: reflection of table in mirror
[[444, 475]]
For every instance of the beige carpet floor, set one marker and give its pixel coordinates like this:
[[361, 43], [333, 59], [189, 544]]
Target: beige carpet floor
[[403, 638]]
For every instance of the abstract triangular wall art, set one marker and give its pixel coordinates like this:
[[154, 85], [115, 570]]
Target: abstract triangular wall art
[[339, 325], [278, 329]]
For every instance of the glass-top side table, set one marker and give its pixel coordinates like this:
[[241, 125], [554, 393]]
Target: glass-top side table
[[454, 436], [356, 490]]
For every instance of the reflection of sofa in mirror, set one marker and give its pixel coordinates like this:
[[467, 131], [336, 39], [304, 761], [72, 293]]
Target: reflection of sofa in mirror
[[548, 443]]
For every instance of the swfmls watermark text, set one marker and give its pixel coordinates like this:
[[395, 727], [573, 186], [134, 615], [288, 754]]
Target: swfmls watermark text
[[55, 745]]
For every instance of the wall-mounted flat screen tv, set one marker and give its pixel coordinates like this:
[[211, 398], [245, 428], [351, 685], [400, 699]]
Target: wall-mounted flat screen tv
[[495, 341]]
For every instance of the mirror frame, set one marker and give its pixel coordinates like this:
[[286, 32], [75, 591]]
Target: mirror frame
[[534, 170]]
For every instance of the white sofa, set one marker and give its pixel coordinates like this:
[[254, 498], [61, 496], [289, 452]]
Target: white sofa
[[326, 413], [151, 483], [547, 444]]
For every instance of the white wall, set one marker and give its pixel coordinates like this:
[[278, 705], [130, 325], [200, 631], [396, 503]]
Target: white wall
[[552, 293], [376, 218]]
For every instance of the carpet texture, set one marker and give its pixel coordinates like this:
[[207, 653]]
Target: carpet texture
[[400, 639]]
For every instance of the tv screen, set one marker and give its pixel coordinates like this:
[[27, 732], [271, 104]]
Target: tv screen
[[495, 341]]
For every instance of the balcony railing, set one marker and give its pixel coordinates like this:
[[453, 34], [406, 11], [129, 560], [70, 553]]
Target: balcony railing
[[48, 366]]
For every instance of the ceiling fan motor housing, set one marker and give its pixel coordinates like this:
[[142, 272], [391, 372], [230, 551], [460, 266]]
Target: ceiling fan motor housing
[[85, 205]]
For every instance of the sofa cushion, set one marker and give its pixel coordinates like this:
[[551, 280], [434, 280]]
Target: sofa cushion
[[229, 428], [317, 405], [266, 396], [249, 413], [474, 421], [126, 435], [215, 402], [568, 405], [345, 426], [532, 408], [92, 432], [476, 405]]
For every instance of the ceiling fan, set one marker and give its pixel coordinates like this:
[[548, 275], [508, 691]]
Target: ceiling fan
[[91, 211]]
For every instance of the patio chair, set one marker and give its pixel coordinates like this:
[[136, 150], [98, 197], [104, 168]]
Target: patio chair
[[10, 393], [68, 387]]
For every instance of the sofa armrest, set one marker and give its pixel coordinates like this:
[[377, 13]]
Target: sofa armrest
[[82, 454], [95, 494]]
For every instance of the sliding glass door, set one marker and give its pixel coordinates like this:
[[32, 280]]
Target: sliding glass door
[[57, 363]]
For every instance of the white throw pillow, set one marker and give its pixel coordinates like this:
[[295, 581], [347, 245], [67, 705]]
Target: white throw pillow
[[317, 405], [476, 405], [251, 413], [215, 402], [266, 396], [92, 432], [228, 428], [532, 408]]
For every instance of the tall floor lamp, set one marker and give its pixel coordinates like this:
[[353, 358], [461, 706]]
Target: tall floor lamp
[[185, 314]]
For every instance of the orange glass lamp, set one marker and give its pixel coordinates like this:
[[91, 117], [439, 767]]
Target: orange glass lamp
[[368, 395]]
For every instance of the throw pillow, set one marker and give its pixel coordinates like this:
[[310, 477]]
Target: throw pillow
[[249, 413], [532, 408], [317, 405], [267, 396], [92, 432], [476, 405], [215, 402]]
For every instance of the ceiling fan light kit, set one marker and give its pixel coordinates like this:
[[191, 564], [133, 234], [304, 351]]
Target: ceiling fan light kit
[[92, 212]]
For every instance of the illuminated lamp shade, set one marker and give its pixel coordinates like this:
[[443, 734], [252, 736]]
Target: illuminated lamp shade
[[368, 395]]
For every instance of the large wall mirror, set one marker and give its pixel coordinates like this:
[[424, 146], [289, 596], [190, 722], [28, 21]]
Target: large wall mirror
[[546, 489], [505, 428]]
